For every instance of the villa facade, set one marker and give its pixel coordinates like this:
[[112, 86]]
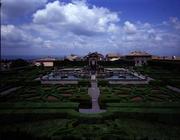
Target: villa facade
[[46, 62], [140, 58]]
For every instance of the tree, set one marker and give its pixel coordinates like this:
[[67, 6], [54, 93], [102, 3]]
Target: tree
[[19, 63]]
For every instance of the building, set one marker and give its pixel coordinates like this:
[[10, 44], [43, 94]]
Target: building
[[46, 62], [112, 57], [5, 65], [95, 55], [93, 59], [140, 58], [155, 57], [165, 58]]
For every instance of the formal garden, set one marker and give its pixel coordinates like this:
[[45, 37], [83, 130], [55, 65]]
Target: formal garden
[[165, 72], [145, 93], [133, 112]]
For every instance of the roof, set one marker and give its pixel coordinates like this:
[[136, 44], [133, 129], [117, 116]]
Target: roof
[[94, 54], [139, 53]]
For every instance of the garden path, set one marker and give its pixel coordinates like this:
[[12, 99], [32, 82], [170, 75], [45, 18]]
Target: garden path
[[8, 91], [94, 93], [173, 88]]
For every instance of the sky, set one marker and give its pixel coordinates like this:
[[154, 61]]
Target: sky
[[63, 27]]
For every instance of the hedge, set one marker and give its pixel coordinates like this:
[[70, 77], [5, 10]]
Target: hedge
[[167, 115], [84, 83], [144, 105], [66, 63], [157, 83], [122, 63], [103, 82], [36, 105], [22, 82], [26, 115], [168, 64], [111, 98]]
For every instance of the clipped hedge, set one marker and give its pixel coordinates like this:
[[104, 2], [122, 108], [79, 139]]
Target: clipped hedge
[[84, 83], [22, 82], [174, 82], [112, 98], [36, 105], [168, 64], [103, 83], [23, 112], [67, 63], [144, 105], [26, 115], [80, 98], [31, 83], [157, 83]]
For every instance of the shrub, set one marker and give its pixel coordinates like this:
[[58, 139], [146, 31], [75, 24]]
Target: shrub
[[19, 63], [167, 64], [33, 105], [157, 83], [174, 82], [103, 83], [84, 83], [31, 83]]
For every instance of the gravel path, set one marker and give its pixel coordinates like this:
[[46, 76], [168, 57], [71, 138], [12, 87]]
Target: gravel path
[[94, 93], [174, 88], [9, 91]]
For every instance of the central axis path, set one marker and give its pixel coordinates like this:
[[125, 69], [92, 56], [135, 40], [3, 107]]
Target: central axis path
[[94, 93]]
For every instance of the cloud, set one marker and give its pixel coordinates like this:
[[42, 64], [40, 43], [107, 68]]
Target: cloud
[[77, 27], [12, 9], [77, 17], [175, 22], [129, 28], [13, 36]]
